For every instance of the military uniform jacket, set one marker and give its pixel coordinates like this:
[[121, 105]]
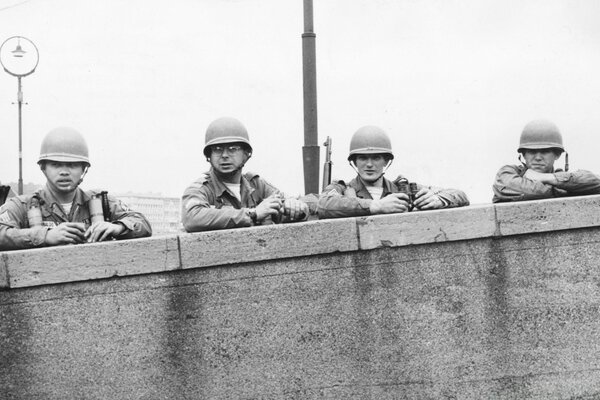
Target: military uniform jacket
[[207, 204], [511, 185], [15, 232], [353, 199]]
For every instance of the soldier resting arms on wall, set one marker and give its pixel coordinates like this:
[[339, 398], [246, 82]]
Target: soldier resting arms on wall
[[225, 197], [61, 212], [370, 193], [540, 146]]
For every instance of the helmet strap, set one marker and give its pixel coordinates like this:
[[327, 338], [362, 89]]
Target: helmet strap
[[353, 166], [387, 166], [227, 176], [85, 170], [389, 163], [249, 154], [566, 161]]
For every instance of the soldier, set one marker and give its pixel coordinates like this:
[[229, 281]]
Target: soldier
[[225, 197], [370, 193], [60, 212], [541, 145]]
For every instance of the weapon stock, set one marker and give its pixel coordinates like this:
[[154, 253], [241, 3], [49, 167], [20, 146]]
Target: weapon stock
[[327, 166]]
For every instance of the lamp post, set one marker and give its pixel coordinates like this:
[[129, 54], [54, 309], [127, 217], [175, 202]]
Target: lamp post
[[19, 57]]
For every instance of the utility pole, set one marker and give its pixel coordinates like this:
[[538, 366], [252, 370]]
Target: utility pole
[[310, 150]]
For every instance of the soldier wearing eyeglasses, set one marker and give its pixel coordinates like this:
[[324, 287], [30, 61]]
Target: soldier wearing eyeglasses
[[226, 197]]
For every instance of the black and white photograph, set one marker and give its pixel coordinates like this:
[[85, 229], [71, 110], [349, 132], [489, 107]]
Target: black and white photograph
[[300, 199]]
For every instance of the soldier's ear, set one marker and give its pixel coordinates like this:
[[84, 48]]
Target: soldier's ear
[[43, 168]]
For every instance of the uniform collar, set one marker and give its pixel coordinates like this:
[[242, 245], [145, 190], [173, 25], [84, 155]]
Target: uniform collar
[[363, 192], [220, 188], [54, 206]]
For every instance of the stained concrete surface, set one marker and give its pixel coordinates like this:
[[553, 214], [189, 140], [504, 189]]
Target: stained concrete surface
[[500, 317]]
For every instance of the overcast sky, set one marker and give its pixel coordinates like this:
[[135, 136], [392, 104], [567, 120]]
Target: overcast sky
[[452, 81]]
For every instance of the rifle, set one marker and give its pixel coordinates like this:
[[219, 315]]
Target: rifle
[[327, 166]]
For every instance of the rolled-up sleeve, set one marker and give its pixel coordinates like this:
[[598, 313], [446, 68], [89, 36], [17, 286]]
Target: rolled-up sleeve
[[452, 197], [578, 182], [12, 234], [136, 223]]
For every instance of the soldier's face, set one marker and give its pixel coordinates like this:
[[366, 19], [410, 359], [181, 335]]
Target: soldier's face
[[370, 166], [541, 160], [63, 177], [228, 158]]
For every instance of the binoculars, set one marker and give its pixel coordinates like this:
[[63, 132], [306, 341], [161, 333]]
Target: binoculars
[[409, 188]]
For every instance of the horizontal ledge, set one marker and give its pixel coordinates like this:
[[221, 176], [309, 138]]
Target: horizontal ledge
[[234, 246], [53, 265], [547, 215], [426, 227]]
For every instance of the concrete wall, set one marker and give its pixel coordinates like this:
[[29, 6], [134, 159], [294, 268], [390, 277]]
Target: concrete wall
[[484, 302]]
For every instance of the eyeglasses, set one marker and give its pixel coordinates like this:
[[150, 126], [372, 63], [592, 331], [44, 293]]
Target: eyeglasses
[[219, 150]]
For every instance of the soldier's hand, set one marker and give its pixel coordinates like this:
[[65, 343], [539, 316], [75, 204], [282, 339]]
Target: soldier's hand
[[392, 203], [295, 209], [66, 233], [100, 231], [269, 206], [426, 199]]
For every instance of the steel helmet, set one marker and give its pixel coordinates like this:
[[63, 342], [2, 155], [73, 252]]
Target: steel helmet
[[225, 130], [64, 145], [370, 140], [540, 134]]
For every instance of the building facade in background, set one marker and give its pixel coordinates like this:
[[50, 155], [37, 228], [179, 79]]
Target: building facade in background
[[164, 213]]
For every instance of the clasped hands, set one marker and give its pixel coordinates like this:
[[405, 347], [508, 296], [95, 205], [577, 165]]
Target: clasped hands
[[275, 205], [75, 232]]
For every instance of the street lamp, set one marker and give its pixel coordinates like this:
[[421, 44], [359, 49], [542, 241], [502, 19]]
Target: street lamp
[[19, 57]]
